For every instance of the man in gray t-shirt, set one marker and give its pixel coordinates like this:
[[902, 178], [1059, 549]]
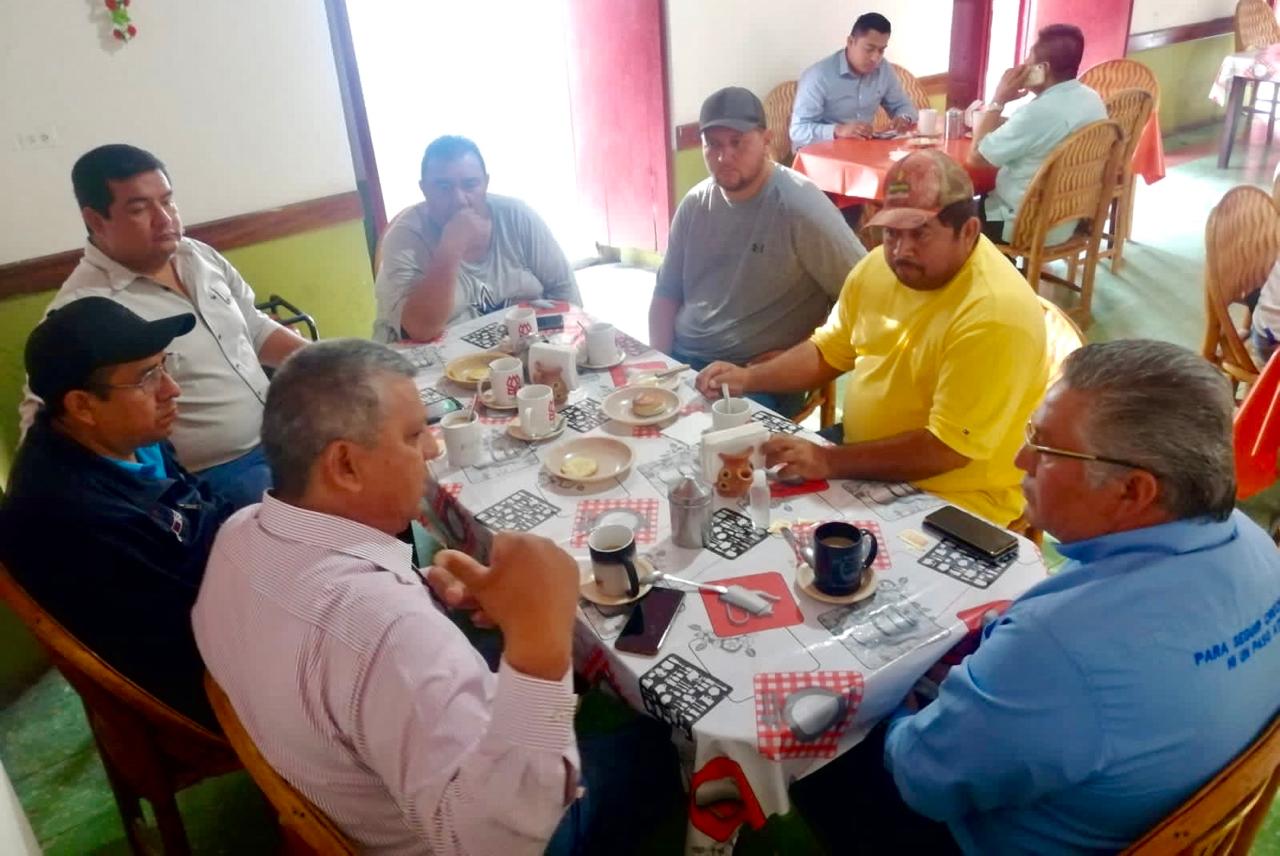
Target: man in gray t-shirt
[[463, 252], [757, 254]]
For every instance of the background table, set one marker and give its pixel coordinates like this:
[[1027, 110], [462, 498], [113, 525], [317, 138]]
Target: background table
[[735, 694], [857, 168], [1234, 76]]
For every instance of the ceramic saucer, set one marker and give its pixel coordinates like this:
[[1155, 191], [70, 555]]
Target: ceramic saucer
[[591, 591], [515, 429], [804, 582], [486, 398], [616, 361]]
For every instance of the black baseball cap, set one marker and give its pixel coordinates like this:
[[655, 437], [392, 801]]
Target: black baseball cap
[[732, 107], [87, 334]]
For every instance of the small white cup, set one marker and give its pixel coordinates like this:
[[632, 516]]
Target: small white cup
[[927, 123], [537, 409], [602, 344], [506, 375], [522, 323], [729, 413], [463, 438]]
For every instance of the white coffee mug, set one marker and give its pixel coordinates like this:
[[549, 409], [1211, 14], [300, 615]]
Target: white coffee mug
[[506, 376], [602, 344], [729, 413], [522, 323], [927, 123], [537, 409], [463, 438], [613, 560]]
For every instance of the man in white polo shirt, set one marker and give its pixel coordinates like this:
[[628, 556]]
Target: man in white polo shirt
[[137, 256]]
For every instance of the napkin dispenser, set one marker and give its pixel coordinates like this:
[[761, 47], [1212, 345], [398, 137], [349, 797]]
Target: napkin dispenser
[[554, 365]]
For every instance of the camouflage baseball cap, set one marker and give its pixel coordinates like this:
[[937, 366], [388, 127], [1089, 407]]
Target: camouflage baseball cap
[[918, 187]]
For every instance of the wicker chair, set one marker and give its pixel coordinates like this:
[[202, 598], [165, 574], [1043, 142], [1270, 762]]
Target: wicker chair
[[823, 400], [911, 86], [1130, 109], [1256, 28], [777, 114], [1110, 78], [1075, 183], [1242, 243], [149, 750], [306, 828], [1224, 816]]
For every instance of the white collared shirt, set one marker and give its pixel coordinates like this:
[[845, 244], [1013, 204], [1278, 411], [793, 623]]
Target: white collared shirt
[[223, 385], [361, 692]]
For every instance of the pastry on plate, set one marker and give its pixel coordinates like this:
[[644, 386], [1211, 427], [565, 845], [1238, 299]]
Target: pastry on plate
[[579, 467], [476, 374], [647, 404]]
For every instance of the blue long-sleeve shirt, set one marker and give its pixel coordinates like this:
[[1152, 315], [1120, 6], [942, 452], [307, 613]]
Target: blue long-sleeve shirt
[[1105, 696], [830, 93]]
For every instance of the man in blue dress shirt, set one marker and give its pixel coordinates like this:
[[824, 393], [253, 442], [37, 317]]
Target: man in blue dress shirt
[[1109, 692], [838, 96]]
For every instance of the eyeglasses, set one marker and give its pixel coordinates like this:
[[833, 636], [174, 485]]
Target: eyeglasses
[[152, 377], [1066, 453]]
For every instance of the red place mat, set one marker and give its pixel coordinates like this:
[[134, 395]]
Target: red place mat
[[785, 610], [804, 534], [591, 509], [778, 739]]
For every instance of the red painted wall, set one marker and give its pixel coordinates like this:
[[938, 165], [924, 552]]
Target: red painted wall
[[1105, 24]]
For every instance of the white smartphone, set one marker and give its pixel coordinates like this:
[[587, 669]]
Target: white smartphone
[[1035, 75]]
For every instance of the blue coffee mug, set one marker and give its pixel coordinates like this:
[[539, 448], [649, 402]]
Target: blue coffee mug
[[842, 553]]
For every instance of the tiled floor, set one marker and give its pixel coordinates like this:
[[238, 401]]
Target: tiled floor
[[44, 739]]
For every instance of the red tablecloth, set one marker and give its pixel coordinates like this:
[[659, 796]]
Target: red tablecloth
[[856, 168]]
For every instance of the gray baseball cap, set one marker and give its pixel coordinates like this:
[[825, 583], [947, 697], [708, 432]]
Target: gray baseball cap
[[732, 107]]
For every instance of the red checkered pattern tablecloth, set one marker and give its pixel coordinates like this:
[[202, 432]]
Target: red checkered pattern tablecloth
[[646, 431], [778, 738], [804, 534], [589, 510]]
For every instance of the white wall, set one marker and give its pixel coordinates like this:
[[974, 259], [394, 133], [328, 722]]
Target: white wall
[[761, 43], [1151, 15], [238, 97]]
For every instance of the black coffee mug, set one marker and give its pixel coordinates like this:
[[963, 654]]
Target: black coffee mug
[[842, 553], [613, 560]]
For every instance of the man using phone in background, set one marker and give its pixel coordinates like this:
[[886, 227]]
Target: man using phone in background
[[838, 96], [1017, 146]]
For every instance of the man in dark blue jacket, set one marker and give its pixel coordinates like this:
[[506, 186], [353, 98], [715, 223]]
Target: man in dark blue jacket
[[101, 524]]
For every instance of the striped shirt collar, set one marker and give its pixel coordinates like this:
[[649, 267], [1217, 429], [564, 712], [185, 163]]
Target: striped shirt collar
[[339, 534]]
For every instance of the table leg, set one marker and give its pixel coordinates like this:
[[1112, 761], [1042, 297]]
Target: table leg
[[1235, 103]]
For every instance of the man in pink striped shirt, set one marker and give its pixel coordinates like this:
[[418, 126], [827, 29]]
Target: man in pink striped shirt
[[344, 668]]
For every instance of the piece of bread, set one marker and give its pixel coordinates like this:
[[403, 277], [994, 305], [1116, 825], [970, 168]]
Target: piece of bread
[[648, 404], [579, 467]]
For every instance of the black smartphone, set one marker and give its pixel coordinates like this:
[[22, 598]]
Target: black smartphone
[[550, 322], [649, 622], [988, 541], [437, 409]]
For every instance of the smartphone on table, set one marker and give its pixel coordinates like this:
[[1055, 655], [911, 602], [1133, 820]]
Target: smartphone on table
[[437, 409], [650, 620], [989, 542], [550, 322]]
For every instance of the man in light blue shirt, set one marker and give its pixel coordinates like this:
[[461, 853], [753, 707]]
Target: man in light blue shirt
[[1107, 694], [838, 96], [1018, 146]]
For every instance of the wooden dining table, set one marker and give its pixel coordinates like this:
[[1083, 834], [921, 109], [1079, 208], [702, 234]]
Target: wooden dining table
[[857, 168]]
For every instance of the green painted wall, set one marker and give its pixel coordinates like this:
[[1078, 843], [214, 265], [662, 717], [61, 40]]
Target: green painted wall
[[1186, 70], [325, 272]]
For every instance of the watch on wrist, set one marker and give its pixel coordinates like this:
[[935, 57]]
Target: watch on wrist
[[995, 107]]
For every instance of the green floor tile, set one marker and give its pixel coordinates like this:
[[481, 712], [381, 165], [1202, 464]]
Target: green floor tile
[[101, 835], [65, 794], [45, 726]]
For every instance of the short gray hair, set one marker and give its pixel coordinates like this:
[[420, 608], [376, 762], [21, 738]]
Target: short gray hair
[[1165, 410], [322, 393]]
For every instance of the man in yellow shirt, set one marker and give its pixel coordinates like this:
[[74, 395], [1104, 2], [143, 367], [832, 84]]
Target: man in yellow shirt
[[945, 346]]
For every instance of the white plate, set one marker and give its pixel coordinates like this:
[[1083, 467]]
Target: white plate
[[804, 582], [516, 430], [613, 458], [456, 370], [617, 405], [647, 378], [486, 398], [590, 591], [616, 361]]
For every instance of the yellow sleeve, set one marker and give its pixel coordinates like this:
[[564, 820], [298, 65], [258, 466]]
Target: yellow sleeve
[[987, 374], [834, 339]]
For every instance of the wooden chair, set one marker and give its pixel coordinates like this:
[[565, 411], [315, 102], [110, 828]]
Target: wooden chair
[[149, 750], [377, 248], [1076, 182], [1242, 243], [778, 105], [911, 86], [1223, 817], [308, 829], [822, 399], [1275, 186], [1130, 109], [1256, 28]]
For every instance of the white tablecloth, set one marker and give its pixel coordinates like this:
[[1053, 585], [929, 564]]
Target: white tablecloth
[[739, 704]]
